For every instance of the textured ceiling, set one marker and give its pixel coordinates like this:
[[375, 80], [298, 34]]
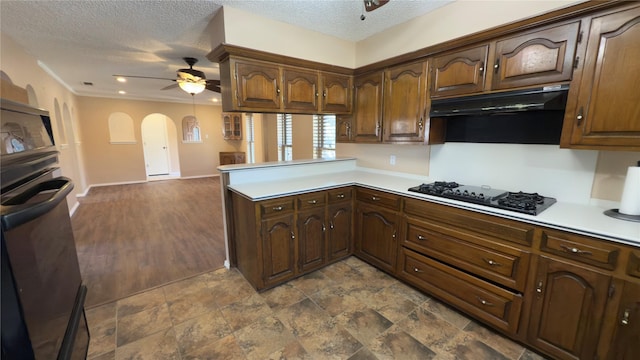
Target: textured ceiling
[[89, 41]]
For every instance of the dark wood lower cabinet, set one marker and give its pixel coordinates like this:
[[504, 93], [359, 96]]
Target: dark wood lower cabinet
[[567, 309], [626, 340], [339, 236], [376, 239], [311, 239], [278, 249]]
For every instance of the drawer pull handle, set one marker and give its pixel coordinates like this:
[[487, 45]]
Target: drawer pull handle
[[415, 269], [625, 317], [484, 302], [340, 196], [491, 262], [575, 250], [421, 238], [312, 202], [374, 198], [277, 208]]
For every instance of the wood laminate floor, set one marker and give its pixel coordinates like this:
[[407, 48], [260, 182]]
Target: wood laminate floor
[[131, 238]]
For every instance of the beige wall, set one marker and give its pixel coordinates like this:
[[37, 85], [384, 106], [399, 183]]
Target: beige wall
[[611, 172], [302, 127], [45, 92], [114, 163]]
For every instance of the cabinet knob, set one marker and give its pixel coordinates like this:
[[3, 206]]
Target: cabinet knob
[[481, 68], [496, 66], [375, 198], [324, 94], [324, 228], [292, 235], [539, 287], [484, 302], [415, 269], [580, 116], [420, 124], [625, 317], [277, 90], [491, 262], [340, 196], [575, 250], [331, 225], [393, 236], [421, 238], [312, 202]]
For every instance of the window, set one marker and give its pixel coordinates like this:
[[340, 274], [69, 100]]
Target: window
[[324, 136], [285, 137], [190, 129], [251, 150]]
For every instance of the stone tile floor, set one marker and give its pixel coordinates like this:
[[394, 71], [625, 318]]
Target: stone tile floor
[[348, 310]]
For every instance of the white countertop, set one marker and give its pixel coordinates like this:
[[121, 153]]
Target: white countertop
[[582, 219]]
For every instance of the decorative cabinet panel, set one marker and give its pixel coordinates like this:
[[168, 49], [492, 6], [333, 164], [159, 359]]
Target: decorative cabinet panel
[[367, 126], [336, 93], [300, 89], [626, 341], [278, 249], [540, 57], [377, 233], [311, 239], [459, 73], [340, 230], [258, 85], [567, 309], [604, 111], [405, 103]]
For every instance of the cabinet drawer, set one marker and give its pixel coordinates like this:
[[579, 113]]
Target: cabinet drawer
[[471, 222], [490, 260], [337, 195], [378, 198], [276, 206], [580, 248], [313, 200], [488, 302]]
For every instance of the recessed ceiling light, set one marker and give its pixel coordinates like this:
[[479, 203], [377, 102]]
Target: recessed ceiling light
[[121, 79], [122, 92], [214, 99]]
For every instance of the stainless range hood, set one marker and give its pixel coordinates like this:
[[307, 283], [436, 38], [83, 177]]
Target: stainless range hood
[[547, 98]]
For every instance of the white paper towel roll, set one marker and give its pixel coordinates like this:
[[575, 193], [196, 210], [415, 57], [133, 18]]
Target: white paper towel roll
[[630, 202]]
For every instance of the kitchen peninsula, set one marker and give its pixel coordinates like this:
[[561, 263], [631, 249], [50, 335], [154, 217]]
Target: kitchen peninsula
[[512, 271]]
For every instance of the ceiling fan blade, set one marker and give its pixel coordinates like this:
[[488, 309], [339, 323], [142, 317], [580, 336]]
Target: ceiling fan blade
[[370, 5], [172, 86], [143, 77], [212, 87], [213, 82]]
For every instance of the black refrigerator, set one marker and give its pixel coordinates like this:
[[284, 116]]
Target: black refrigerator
[[42, 292]]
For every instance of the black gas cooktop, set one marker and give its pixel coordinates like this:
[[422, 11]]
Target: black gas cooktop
[[527, 203]]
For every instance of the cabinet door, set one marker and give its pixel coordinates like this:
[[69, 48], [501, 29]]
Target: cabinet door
[[340, 230], [376, 241], [567, 308], [368, 108], [535, 58], [257, 85], [311, 239], [459, 73], [607, 111], [405, 103], [300, 89], [343, 128], [626, 341], [278, 248], [336, 93]]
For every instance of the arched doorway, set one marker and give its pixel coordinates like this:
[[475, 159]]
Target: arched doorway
[[160, 146]]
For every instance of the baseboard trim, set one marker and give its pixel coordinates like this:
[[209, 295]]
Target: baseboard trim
[[74, 208]]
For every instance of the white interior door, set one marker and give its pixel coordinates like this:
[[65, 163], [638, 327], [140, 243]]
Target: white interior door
[[154, 140]]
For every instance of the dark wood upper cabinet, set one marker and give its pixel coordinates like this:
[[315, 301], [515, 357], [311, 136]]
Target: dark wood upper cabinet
[[459, 73], [539, 57], [257, 85], [344, 131], [605, 109], [368, 92], [336, 93], [300, 89], [405, 101], [567, 309]]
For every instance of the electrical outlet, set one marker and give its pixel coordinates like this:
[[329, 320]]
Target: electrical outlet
[[392, 160]]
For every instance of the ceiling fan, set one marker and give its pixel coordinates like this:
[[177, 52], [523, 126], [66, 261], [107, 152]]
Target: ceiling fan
[[370, 5], [190, 80]]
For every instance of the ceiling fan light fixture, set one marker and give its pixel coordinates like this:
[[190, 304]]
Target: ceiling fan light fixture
[[192, 87]]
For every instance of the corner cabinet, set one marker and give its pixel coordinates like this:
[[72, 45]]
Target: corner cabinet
[[603, 111], [626, 341], [367, 119]]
